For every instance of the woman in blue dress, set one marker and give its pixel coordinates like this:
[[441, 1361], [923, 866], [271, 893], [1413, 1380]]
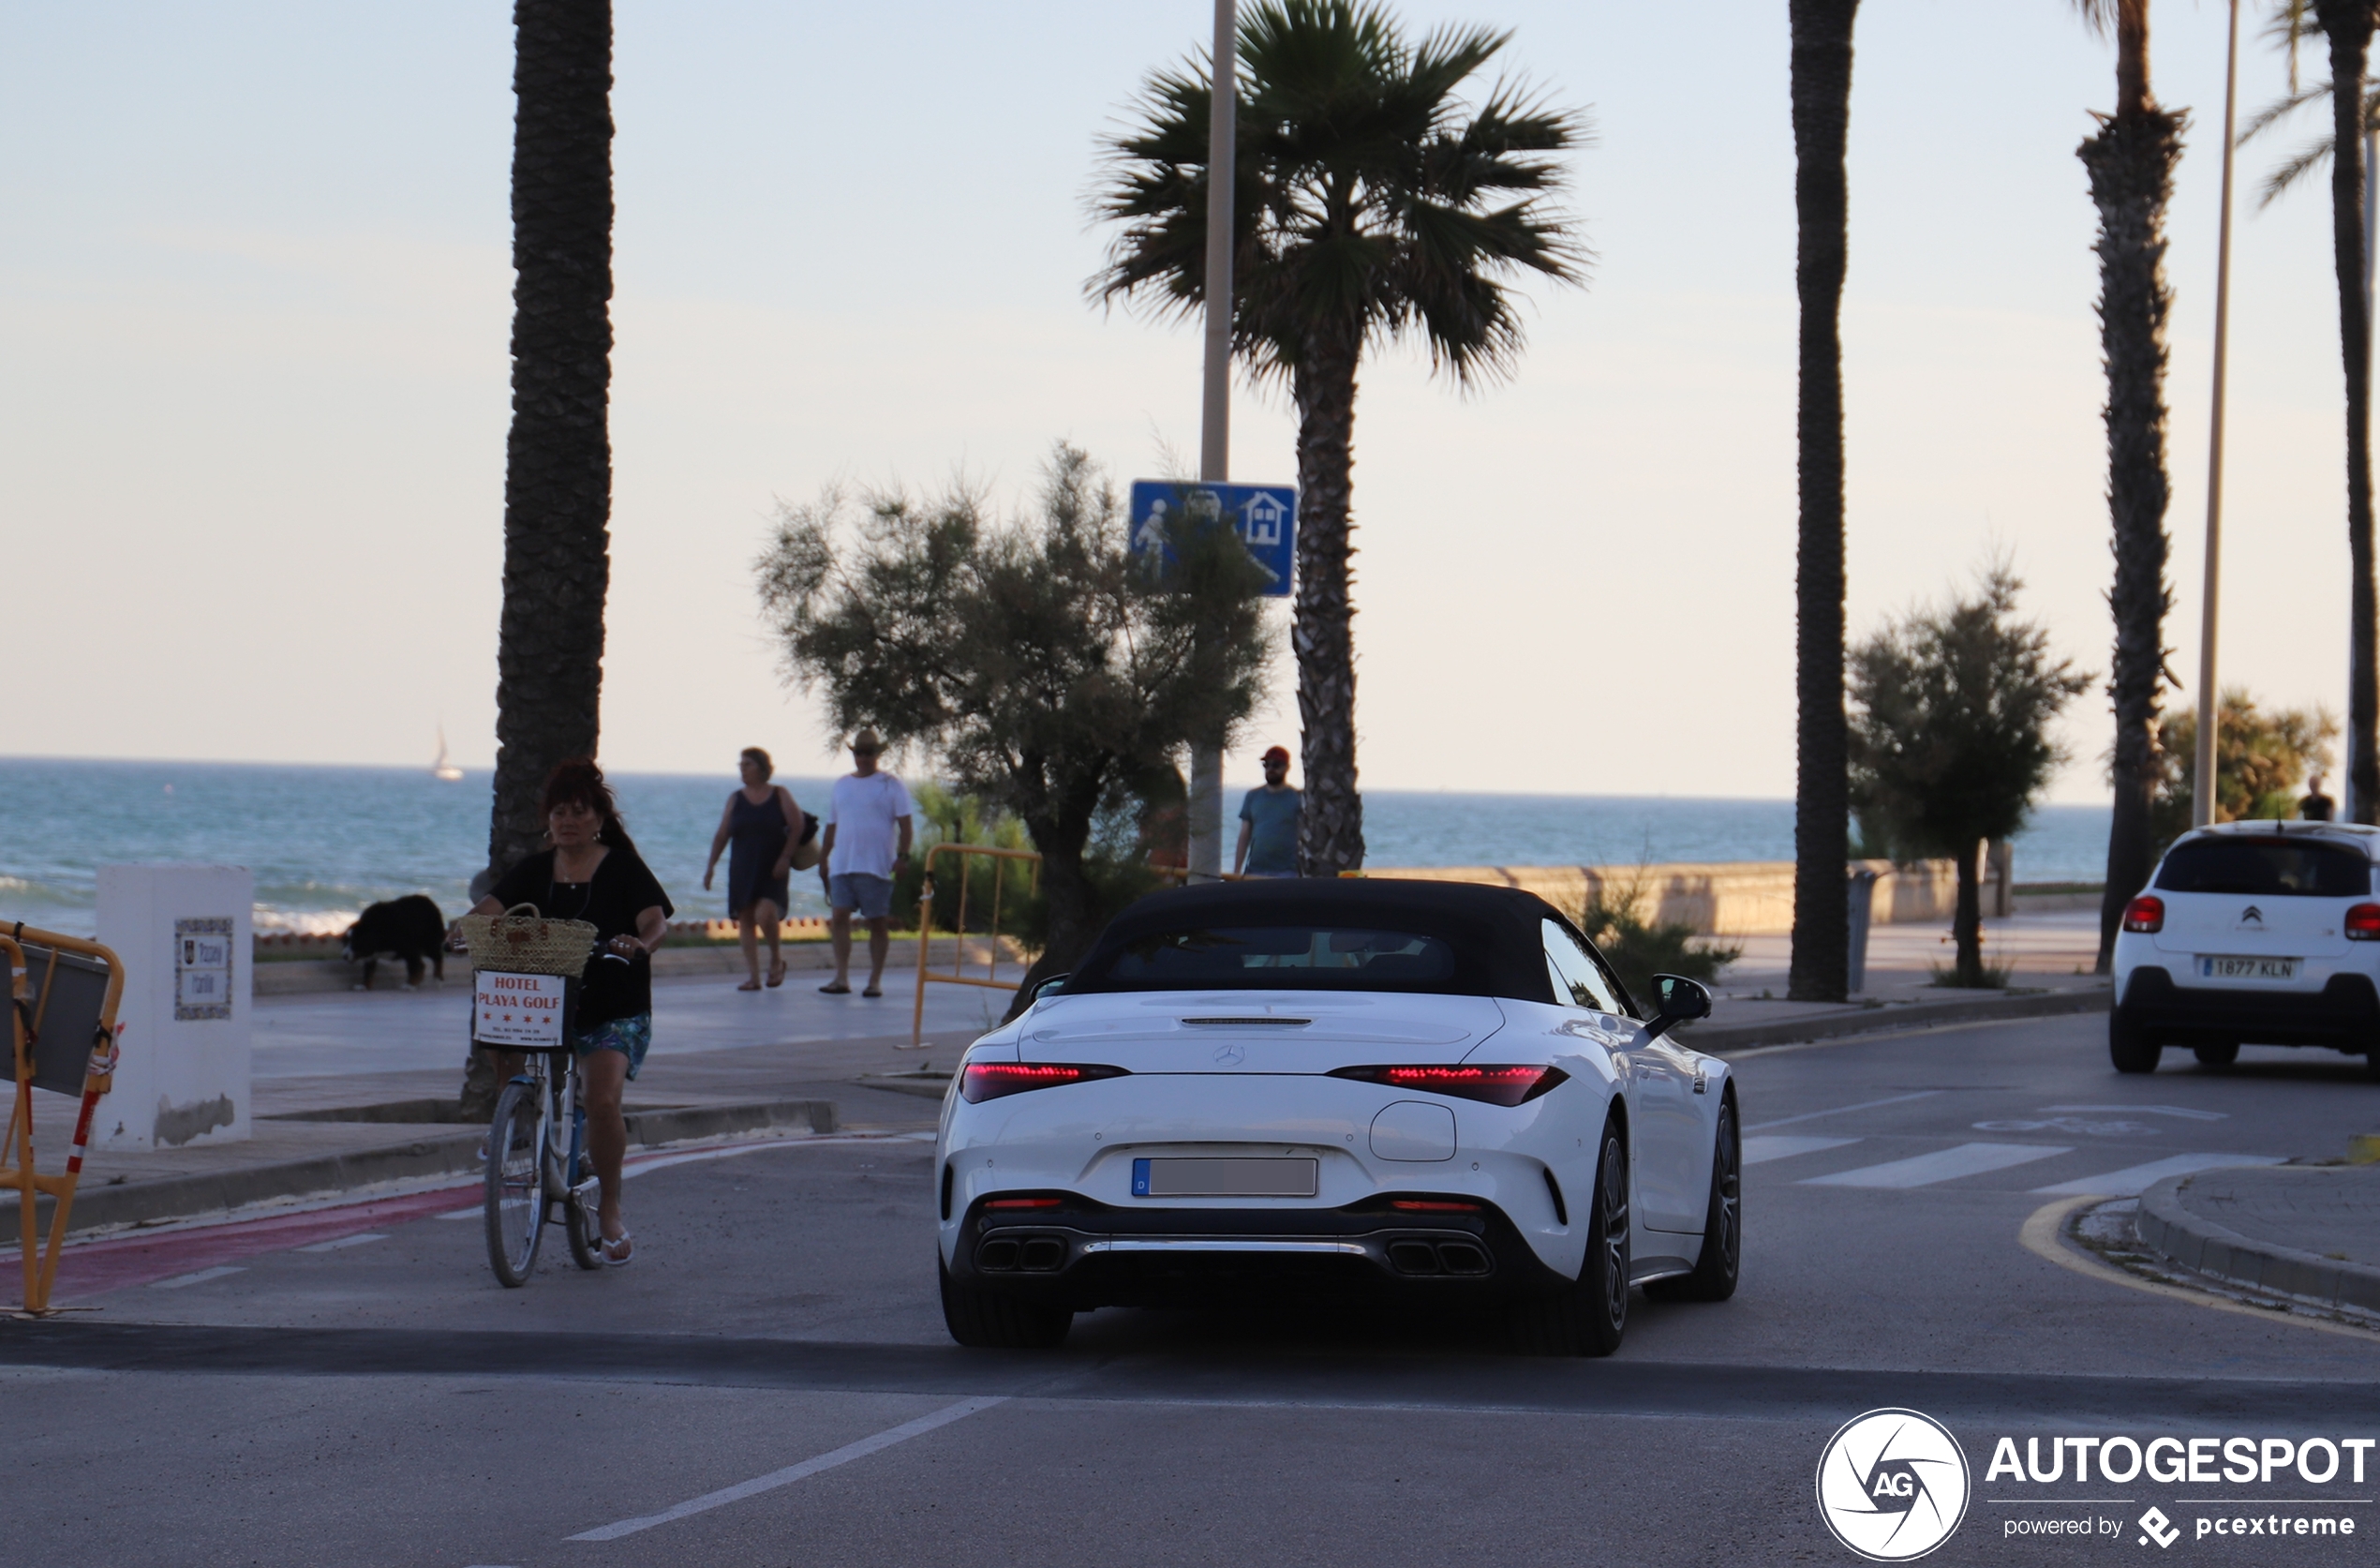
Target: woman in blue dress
[[765, 826]]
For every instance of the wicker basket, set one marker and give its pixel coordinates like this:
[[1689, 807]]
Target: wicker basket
[[522, 940]]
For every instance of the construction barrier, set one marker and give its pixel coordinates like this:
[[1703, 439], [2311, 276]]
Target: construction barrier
[[62, 993], [958, 975]]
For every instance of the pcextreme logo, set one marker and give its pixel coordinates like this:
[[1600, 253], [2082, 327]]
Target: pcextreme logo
[[1892, 1485]]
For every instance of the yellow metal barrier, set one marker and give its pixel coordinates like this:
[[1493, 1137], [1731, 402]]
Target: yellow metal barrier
[[925, 973], [25, 1021]]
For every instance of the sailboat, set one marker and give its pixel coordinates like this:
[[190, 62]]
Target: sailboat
[[444, 769]]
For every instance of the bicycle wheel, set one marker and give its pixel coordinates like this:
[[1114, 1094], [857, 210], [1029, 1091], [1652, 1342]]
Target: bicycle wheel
[[581, 1225], [515, 1182]]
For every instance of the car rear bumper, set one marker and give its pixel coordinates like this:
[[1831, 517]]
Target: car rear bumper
[[1085, 1254], [2344, 1014]]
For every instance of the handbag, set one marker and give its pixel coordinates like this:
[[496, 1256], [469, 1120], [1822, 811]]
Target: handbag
[[522, 940], [806, 847]]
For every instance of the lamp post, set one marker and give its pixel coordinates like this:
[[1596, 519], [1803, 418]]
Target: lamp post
[[1214, 418], [2202, 791]]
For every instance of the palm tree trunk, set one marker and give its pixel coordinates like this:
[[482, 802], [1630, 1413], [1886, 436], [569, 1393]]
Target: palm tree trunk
[[1331, 828], [2130, 162], [557, 475], [2347, 25], [1822, 94]]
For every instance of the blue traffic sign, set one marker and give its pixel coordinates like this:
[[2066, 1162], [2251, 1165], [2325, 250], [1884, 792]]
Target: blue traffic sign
[[1265, 516]]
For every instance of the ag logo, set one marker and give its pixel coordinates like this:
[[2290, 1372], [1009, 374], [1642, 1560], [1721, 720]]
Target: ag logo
[[1892, 1485]]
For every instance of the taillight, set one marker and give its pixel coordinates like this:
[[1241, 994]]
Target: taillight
[[1426, 1206], [2363, 923], [1022, 1203], [984, 1080], [1498, 1085], [2148, 913]]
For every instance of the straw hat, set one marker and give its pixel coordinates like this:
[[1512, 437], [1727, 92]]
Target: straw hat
[[868, 740]]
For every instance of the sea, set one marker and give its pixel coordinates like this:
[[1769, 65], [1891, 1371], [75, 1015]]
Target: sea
[[323, 842]]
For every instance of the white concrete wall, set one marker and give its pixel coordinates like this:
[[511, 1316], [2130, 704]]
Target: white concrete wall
[[185, 1067], [1748, 898]]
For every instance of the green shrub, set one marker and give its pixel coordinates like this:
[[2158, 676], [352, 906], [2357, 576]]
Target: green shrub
[[1637, 950]]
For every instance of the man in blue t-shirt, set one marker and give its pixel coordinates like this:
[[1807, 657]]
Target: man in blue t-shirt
[[1269, 822]]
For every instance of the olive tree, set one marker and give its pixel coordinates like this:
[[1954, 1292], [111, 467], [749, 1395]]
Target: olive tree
[[1950, 743], [1044, 663]]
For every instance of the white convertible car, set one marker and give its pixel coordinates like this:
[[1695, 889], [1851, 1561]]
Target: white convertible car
[[1289, 1089]]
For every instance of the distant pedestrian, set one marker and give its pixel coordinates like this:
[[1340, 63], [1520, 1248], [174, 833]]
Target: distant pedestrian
[[868, 828], [765, 826], [1269, 822], [2317, 806]]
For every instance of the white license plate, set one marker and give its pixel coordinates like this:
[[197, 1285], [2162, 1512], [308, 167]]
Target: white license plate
[[1224, 1178], [2219, 966]]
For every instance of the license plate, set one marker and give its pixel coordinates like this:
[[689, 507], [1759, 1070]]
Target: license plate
[[1224, 1178], [2217, 966]]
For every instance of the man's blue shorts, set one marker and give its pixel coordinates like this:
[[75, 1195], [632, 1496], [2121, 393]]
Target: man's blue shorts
[[870, 895]]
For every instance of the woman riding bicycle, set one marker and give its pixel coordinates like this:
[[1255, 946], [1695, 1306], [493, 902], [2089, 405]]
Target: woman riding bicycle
[[594, 873]]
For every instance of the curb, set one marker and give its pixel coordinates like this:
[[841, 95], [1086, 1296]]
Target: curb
[[438, 1155], [1873, 1021], [2197, 1243]]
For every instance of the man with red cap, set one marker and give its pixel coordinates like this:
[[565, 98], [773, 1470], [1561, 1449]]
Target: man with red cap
[[1269, 822]]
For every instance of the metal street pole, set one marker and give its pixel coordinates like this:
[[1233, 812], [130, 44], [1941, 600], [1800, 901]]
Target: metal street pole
[[2371, 234], [1214, 422], [2202, 789]]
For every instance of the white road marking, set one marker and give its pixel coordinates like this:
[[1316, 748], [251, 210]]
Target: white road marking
[[1943, 1165], [1757, 1150], [2133, 1180], [791, 1473], [1841, 1110], [336, 1245], [199, 1279], [2185, 1113]]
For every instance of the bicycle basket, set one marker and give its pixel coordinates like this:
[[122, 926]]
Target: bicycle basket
[[523, 940]]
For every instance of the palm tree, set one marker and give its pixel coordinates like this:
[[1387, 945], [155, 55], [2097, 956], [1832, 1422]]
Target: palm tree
[[557, 469], [2347, 25], [1367, 207], [2130, 162], [1822, 94]]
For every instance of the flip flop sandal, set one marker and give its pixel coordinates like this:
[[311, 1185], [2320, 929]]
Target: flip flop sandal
[[832, 990], [777, 973], [616, 1251], [872, 991], [748, 985]]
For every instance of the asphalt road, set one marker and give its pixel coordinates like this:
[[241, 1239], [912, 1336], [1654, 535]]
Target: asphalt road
[[770, 1383]]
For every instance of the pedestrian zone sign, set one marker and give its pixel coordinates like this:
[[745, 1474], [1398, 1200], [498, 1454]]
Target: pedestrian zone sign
[[1265, 516]]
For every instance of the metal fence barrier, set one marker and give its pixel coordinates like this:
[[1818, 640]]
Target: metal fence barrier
[[958, 975], [62, 994]]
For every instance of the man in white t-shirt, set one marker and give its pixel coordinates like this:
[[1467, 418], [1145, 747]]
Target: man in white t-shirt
[[868, 821]]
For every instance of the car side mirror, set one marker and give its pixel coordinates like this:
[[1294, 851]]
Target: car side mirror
[[1047, 987], [1681, 1001]]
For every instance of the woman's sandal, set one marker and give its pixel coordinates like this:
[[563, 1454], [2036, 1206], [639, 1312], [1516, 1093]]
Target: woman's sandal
[[752, 985], [616, 1251], [834, 988], [777, 973]]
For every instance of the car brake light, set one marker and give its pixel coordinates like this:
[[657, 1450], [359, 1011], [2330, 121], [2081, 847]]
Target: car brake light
[[2148, 913], [1497, 1085], [2363, 923], [1423, 1205], [984, 1080], [1021, 1204]]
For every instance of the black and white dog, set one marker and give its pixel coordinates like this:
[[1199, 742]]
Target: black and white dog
[[410, 928]]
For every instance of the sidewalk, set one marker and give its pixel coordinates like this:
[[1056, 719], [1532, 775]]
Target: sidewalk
[[2307, 1231]]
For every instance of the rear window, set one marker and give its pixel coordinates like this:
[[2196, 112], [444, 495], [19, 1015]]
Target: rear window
[[2265, 868], [1271, 958]]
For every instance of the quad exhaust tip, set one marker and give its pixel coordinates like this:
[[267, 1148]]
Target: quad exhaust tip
[[1456, 1257], [1027, 1255]]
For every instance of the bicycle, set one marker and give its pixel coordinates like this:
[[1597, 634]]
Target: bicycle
[[533, 1168]]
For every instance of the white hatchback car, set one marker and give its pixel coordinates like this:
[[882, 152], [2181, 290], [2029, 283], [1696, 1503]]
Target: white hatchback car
[[1291, 1090], [2263, 932]]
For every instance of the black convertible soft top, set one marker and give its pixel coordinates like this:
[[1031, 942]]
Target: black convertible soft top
[[1498, 947]]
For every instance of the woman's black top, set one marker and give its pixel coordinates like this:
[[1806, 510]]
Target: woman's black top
[[622, 888]]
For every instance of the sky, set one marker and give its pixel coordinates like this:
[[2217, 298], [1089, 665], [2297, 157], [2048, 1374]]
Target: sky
[[255, 300]]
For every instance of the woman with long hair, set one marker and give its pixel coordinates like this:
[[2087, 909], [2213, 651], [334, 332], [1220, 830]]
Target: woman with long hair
[[594, 873]]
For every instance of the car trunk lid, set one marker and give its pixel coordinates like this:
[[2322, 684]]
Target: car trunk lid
[[1257, 1030]]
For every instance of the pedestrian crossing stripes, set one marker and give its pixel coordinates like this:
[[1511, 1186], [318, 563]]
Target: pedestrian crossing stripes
[[2133, 1180], [1943, 1165], [1757, 1150]]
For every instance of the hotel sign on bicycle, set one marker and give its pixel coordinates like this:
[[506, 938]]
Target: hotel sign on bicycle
[[515, 1011]]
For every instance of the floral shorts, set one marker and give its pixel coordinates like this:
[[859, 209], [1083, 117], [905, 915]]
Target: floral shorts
[[630, 1037]]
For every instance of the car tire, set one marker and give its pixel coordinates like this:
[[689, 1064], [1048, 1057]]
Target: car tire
[[2216, 1053], [1589, 1315], [1715, 1269], [985, 1319], [2130, 1047]]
